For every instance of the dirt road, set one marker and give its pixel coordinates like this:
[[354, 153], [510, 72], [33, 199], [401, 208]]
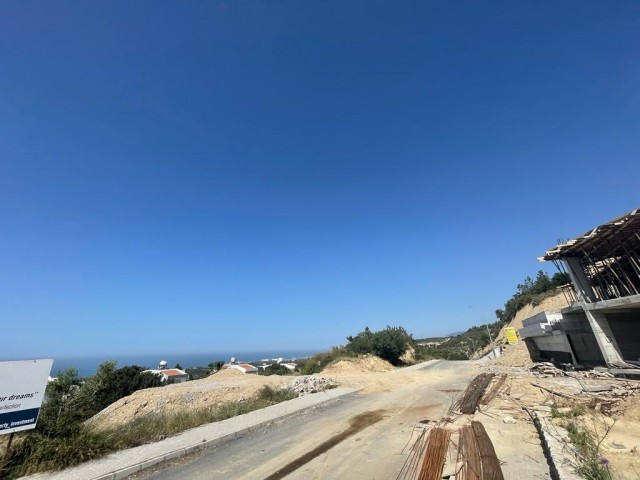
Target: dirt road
[[363, 436]]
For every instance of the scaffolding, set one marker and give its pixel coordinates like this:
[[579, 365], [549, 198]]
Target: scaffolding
[[609, 256]]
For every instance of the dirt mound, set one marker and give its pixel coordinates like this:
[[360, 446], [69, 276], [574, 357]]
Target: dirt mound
[[215, 390], [366, 363], [629, 409], [515, 355], [226, 373]]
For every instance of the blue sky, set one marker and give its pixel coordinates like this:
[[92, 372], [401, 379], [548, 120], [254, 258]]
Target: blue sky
[[211, 176]]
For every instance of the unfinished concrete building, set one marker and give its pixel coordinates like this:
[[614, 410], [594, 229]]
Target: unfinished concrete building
[[602, 325]]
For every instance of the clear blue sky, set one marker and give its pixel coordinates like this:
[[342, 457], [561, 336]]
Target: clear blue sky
[[210, 176]]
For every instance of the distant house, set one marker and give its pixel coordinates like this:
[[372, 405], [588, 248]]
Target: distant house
[[173, 375], [242, 367], [290, 366], [169, 375]]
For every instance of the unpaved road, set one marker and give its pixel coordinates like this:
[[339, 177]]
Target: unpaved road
[[362, 436]]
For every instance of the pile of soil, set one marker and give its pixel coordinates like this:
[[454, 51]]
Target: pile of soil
[[227, 373], [629, 409], [362, 364], [515, 355], [226, 386]]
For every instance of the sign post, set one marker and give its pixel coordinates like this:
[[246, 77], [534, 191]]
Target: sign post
[[22, 386]]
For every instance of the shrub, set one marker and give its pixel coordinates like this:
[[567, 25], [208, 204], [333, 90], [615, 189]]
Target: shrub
[[275, 395], [591, 464], [275, 369], [388, 344], [317, 363]]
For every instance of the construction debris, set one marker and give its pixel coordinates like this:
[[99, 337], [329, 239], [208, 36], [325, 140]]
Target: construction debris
[[309, 384], [495, 389], [548, 369]]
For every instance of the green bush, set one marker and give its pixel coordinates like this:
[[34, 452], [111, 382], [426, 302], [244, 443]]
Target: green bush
[[318, 362], [276, 369], [388, 344], [276, 395]]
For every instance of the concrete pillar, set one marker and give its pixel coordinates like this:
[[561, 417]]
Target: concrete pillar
[[604, 337], [579, 279]]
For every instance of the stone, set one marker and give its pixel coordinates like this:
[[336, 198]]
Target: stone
[[308, 384]]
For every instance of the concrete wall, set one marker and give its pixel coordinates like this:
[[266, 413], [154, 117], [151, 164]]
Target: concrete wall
[[575, 322], [625, 327], [581, 338], [565, 337], [585, 348], [555, 346]]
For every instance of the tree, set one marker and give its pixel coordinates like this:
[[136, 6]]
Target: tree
[[178, 366], [559, 279], [362, 342], [123, 382], [388, 344], [391, 343]]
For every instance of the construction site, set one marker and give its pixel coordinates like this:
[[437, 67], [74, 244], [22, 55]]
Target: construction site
[[575, 382], [557, 400]]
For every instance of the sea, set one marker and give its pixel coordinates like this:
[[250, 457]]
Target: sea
[[87, 366]]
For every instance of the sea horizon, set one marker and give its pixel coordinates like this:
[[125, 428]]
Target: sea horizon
[[87, 365]]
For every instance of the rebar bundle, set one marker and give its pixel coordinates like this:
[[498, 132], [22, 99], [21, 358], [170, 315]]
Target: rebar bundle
[[476, 455], [494, 390], [435, 454], [474, 392]]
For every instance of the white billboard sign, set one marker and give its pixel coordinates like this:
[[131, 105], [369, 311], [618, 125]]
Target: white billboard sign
[[22, 386]]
